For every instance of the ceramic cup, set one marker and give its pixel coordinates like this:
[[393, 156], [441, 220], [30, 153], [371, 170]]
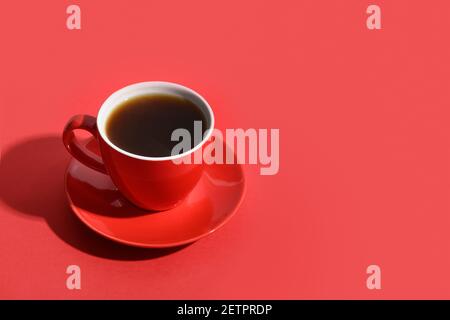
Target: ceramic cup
[[152, 183]]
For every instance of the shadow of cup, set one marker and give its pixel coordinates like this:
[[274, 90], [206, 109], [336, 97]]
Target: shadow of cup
[[32, 183]]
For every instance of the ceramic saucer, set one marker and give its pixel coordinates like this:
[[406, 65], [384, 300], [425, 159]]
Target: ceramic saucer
[[97, 202]]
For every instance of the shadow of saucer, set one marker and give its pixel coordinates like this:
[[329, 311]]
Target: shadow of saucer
[[32, 183]]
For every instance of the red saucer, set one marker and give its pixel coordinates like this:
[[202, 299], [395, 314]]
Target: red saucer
[[97, 202]]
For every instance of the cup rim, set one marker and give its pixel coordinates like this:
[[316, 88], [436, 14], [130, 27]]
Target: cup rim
[[111, 100]]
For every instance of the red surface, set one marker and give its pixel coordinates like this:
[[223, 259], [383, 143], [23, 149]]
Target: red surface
[[96, 201], [364, 125]]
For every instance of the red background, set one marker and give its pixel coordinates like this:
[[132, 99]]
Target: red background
[[364, 122]]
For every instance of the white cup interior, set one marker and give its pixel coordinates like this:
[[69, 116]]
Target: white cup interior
[[153, 87]]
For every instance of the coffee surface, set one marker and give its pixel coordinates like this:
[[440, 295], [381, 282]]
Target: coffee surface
[[143, 125]]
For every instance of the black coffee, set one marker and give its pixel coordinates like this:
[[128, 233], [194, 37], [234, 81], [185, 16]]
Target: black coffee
[[143, 125]]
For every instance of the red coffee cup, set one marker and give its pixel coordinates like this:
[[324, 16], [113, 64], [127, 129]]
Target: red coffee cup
[[153, 183]]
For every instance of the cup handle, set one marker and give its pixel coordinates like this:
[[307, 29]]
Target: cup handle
[[75, 148]]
